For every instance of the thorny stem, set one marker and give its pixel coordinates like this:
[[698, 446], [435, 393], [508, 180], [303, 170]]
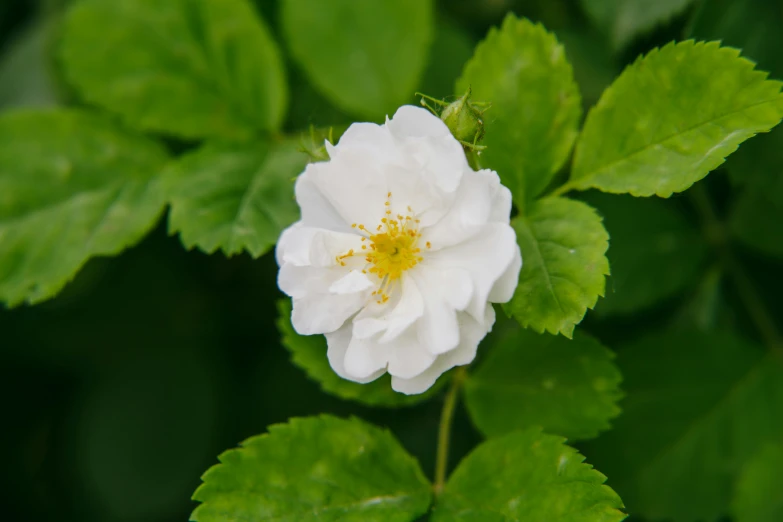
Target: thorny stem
[[747, 291], [444, 430]]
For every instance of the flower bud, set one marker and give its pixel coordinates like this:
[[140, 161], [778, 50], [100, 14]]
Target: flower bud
[[463, 117]]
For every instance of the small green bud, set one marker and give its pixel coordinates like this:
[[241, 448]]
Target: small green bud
[[463, 117], [463, 121]]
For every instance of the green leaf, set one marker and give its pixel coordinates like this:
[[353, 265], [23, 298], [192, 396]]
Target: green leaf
[[672, 117], [526, 476], [309, 353], [72, 186], [25, 75], [697, 406], [595, 67], [568, 388], [654, 251], [758, 213], [366, 57], [754, 27], [623, 20], [530, 129], [236, 197], [563, 244], [451, 48], [188, 68], [759, 497], [315, 469]]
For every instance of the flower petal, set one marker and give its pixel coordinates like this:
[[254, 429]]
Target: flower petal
[[298, 281], [501, 201], [471, 210], [370, 138], [354, 183], [408, 357], [364, 357], [319, 313], [445, 292], [411, 121], [307, 246], [403, 357], [317, 210], [391, 318], [503, 289], [423, 137], [471, 334], [354, 282], [337, 344], [486, 256]]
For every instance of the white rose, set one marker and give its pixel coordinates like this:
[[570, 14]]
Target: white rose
[[400, 251]]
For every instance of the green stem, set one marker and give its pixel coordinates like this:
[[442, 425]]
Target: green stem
[[444, 430], [716, 233]]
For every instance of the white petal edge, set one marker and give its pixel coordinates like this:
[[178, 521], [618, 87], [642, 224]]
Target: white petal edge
[[306, 246], [411, 121], [317, 210], [354, 282], [445, 292], [472, 332], [503, 289], [325, 313], [486, 256], [393, 317], [337, 344], [470, 212]]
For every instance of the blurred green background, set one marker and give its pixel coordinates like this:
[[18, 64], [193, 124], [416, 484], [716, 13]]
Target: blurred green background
[[120, 392]]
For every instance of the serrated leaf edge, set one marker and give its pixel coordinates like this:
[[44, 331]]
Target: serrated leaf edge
[[565, 328], [291, 426], [584, 182]]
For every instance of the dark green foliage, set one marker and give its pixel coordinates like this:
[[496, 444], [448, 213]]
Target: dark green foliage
[[758, 496], [568, 387], [654, 251], [697, 407]]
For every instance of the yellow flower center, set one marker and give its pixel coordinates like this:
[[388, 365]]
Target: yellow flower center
[[392, 249]]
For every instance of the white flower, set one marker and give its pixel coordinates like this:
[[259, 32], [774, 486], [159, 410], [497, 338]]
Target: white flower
[[400, 251]]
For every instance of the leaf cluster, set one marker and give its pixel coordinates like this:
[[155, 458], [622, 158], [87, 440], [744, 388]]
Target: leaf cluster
[[195, 110]]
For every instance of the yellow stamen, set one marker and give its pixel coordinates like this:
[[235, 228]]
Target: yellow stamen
[[393, 250]]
